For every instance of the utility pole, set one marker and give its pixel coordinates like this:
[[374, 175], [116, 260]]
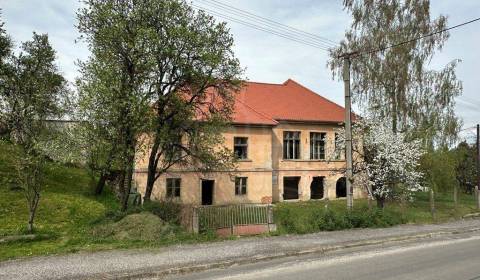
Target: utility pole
[[477, 191], [348, 130]]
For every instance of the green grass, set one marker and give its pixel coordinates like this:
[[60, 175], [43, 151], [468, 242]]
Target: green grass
[[71, 219], [68, 214], [313, 216]]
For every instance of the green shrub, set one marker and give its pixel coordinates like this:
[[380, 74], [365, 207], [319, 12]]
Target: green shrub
[[168, 211], [287, 221], [328, 220], [310, 217]]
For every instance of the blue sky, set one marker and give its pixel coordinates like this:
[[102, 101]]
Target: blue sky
[[268, 58]]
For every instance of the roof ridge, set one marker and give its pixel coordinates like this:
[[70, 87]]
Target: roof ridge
[[314, 93], [260, 113], [262, 83]]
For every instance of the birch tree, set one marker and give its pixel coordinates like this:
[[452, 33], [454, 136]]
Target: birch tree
[[396, 83]]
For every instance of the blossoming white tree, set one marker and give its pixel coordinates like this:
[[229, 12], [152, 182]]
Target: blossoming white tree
[[385, 163]]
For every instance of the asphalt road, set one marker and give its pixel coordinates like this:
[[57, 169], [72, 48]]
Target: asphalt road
[[445, 258], [364, 261]]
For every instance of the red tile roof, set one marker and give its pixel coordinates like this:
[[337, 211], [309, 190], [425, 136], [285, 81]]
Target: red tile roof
[[245, 114], [259, 103]]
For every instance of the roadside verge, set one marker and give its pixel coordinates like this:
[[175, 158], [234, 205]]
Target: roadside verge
[[137, 264], [259, 258]]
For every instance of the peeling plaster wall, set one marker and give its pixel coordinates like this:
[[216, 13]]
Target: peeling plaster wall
[[265, 168]]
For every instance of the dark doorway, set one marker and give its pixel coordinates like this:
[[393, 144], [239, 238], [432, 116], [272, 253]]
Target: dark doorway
[[341, 187], [207, 192], [290, 187], [316, 188]]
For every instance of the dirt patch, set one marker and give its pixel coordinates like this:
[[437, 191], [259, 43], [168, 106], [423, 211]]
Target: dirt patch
[[24, 238]]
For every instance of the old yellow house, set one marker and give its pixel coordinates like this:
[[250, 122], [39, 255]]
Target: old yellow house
[[284, 138]]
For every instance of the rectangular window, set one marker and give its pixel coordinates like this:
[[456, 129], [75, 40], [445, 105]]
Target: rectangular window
[[290, 187], [240, 185], [240, 147], [317, 145], [173, 187], [291, 145]]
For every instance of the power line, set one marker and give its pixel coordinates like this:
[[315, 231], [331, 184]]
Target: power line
[[358, 53], [468, 104], [468, 128], [270, 27], [470, 100], [264, 29], [275, 24], [260, 28]]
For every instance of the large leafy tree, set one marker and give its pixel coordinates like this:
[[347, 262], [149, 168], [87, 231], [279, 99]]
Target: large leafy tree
[[183, 82], [33, 91], [5, 52], [395, 83], [113, 88], [466, 166], [196, 76]]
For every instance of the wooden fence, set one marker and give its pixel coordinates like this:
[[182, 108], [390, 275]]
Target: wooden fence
[[234, 219]]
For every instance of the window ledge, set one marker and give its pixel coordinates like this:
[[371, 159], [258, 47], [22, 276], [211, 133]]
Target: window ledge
[[304, 160], [291, 200], [244, 160], [311, 160]]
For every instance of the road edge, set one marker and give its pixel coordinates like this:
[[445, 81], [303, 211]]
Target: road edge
[[192, 268]]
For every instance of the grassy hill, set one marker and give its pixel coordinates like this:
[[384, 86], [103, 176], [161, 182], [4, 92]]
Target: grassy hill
[[65, 212], [70, 218]]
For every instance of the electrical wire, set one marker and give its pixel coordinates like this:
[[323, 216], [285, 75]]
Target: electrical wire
[[359, 53], [468, 104], [474, 101], [260, 28], [468, 128], [275, 24]]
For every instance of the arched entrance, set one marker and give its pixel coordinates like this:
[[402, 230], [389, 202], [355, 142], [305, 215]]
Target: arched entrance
[[341, 189]]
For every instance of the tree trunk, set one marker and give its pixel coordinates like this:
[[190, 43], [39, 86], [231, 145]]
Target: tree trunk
[[32, 212], [128, 183], [104, 174], [455, 195], [381, 203], [394, 111], [152, 171], [432, 204], [101, 184], [370, 197], [121, 187]]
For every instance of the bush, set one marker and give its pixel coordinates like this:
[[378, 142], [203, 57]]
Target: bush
[[168, 211], [310, 218], [325, 219]]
